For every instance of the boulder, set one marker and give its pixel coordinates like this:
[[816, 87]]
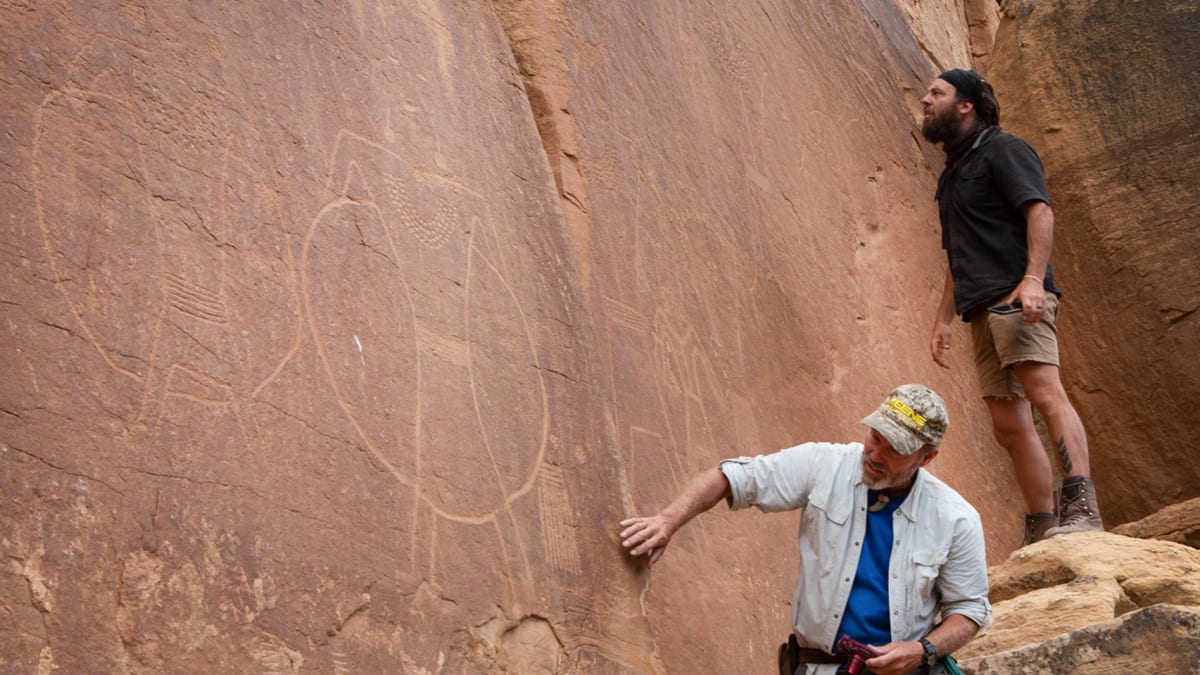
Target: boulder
[[1073, 583], [1101, 555], [1179, 523], [1161, 639]]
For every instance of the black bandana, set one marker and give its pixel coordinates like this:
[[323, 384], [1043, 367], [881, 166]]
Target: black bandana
[[968, 83]]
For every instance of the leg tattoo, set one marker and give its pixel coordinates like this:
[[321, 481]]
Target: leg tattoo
[[1063, 456]]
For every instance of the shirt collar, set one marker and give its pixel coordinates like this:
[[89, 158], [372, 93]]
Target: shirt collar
[[914, 495]]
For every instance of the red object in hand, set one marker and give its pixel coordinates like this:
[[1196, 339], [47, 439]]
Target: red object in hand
[[856, 654]]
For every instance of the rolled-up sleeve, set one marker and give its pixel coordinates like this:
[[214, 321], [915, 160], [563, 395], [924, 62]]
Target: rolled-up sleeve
[[963, 584], [741, 489], [781, 481]]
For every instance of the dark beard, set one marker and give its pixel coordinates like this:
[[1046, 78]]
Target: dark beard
[[940, 128]]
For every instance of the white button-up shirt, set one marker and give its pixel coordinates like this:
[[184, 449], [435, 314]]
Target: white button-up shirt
[[938, 560]]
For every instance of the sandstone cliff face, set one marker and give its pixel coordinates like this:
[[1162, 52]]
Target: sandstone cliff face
[[338, 338], [287, 327]]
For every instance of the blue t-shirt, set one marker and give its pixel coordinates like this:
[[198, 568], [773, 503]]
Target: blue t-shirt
[[866, 618]]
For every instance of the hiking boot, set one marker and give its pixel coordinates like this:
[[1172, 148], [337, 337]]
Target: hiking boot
[[1078, 511], [1036, 525]]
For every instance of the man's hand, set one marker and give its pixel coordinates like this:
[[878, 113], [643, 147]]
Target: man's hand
[[647, 536], [650, 536], [1033, 299], [939, 344], [897, 658], [1039, 220]]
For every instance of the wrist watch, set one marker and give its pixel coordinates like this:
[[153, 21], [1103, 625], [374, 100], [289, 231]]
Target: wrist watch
[[931, 654]]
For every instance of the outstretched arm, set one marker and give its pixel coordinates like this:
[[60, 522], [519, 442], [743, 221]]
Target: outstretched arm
[[649, 536]]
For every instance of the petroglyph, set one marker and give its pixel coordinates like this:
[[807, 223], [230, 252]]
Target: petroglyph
[[685, 428], [671, 404], [649, 455], [206, 293], [194, 300], [146, 268], [433, 231], [197, 386], [557, 520], [448, 348], [401, 258], [625, 315]]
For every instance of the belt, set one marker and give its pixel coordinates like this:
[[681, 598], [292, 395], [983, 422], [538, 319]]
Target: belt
[[816, 656]]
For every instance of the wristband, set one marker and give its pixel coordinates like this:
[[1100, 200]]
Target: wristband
[[931, 653], [1030, 276]]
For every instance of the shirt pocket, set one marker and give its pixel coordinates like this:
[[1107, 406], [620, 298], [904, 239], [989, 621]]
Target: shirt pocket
[[974, 182], [827, 517], [974, 171], [834, 505], [927, 566]]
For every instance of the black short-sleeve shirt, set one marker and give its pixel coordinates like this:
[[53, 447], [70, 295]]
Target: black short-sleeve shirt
[[983, 229]]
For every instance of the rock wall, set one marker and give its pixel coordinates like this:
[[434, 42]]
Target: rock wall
[[338, 338], [1106, 95], [295, 367]]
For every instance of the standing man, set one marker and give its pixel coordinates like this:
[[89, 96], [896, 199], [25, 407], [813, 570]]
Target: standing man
[[997, 229], [885, 548]]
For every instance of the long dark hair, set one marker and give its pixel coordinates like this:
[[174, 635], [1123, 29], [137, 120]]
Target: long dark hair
[[987, 110]]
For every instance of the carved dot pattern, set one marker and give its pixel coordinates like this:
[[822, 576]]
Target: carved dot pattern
[[433, 233]]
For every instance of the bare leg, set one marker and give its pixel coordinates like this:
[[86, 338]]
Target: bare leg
[[1044, 389], [1079, 510], [1012, 425]]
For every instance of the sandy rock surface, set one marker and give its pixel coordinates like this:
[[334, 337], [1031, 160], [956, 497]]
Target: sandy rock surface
[[338, 337]]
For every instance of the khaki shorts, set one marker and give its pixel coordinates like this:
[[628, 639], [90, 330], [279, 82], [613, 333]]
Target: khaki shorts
[[1002, 340]]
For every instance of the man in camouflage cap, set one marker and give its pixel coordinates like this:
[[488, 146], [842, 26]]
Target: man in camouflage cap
[[896, 546], [912, 417]]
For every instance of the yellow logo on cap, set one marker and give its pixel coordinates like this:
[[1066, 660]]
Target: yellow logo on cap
[[907, 415]]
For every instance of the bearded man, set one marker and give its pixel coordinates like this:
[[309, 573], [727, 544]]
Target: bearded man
[[885, 547], [997, 230]]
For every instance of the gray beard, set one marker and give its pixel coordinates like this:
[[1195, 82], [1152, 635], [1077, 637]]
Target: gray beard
[[888, 481]]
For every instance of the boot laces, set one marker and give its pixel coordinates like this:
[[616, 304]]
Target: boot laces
[[1077, 510]]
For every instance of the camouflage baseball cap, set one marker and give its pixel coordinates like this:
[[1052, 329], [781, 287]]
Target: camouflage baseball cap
[[912, 417]]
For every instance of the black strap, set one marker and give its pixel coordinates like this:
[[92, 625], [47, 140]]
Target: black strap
[[792, 656], [789, 659]]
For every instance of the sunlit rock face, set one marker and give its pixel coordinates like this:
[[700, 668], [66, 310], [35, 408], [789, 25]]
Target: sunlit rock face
[[295, 374], [338, 338]]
